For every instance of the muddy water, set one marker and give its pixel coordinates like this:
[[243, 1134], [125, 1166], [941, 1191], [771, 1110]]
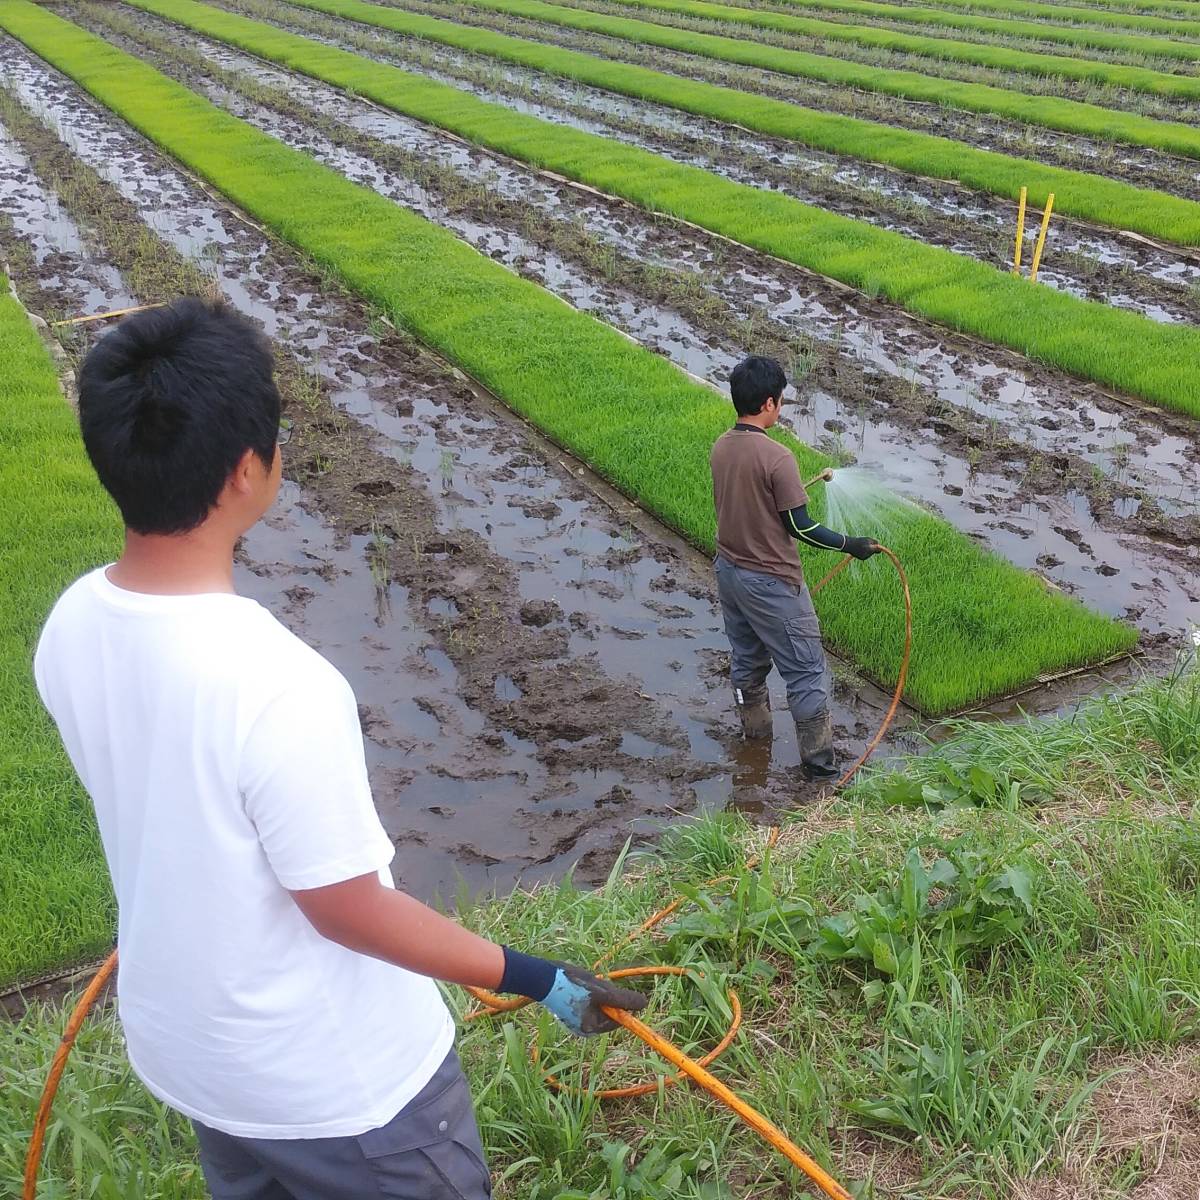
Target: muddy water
[[1110, 556], [1084, 262], [71, 276], [621, 722]]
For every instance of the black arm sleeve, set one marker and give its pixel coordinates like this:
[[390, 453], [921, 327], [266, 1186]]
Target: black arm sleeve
[[804, 529]]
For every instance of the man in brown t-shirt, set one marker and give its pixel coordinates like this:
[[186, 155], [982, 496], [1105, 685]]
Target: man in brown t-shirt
[[769, 616]]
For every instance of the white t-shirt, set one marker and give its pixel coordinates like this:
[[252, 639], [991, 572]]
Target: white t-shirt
[[225, 761]]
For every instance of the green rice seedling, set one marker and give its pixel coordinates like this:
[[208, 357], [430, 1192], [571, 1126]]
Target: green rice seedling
[[1142, 17], [1050, 111], [1138, 79], [1092, 197], [55, 523], [1080, 31], [984, 626]]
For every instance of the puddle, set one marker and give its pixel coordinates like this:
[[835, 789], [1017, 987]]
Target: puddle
[[47, 232]]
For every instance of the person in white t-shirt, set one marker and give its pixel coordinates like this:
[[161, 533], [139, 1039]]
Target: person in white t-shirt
[[274, 986]]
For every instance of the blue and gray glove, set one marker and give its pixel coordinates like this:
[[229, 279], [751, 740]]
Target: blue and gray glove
[[575, 996]]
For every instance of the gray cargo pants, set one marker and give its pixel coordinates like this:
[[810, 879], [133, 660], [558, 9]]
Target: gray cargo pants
[[770, 621], [429, 1151]]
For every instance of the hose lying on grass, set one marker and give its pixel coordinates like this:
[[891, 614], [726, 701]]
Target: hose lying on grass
[[492, 1004]]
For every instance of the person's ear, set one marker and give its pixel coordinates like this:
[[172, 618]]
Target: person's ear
[[246, 472]]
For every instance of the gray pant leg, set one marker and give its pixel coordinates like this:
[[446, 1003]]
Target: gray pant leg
[[232, 1172], [784, 621], [751, 661], [429, 1151]]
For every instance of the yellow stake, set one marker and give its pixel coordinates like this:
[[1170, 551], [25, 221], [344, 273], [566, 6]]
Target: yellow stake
[[1037, 250], [1020, 233]]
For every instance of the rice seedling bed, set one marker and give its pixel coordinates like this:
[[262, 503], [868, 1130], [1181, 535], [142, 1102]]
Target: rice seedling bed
[[481, 318], [1108, 96], [1078, 27], [1139, 165], [1160, 15], [1084, 263], [1161, 52], [932, 282], [1088, 196], [54, 522], [1052, 112]]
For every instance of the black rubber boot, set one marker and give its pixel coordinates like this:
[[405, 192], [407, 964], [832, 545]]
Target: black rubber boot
[[754, 710], [818, 763]]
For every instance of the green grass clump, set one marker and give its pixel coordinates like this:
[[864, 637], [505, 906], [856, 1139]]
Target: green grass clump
[[1091, 197], [55, 523], [1052, 112], [1074, 35], [1001, 58], [983, 626], [1027, 946]]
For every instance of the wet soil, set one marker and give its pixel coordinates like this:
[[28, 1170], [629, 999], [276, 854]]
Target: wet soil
[[1107, 518], [540, 668], [1087, 261], [1139, 165]]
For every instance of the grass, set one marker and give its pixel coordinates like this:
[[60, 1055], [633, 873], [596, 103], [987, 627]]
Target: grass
[[1078, 35], [1121, 349], [1089, 197], [633, 416], [55, 523], [1001, 58], [1051, 112], [1035, 933]]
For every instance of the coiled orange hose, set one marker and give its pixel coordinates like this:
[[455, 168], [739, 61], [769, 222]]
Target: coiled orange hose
[[492, 1004]]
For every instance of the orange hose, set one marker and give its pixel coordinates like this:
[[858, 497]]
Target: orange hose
[[493, 1004], [768, 1131], [42, 1119], [645, 1089]]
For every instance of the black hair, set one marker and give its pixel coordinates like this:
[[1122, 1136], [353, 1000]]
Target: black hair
[[753, 381], [169, 402]]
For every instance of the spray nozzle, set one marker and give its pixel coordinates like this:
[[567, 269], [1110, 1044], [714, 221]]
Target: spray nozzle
[[825, 476]]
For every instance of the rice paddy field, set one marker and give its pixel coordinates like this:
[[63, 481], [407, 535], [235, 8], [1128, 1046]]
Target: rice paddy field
[[508, 252]]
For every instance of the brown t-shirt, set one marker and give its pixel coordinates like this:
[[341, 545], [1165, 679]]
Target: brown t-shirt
[[754, 480]]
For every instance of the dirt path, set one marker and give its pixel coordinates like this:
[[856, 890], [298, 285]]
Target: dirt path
[[540, 668], [1098, 497]]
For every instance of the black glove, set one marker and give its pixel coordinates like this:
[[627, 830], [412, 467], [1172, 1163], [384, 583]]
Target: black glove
[[862, 548], [574, 995]]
